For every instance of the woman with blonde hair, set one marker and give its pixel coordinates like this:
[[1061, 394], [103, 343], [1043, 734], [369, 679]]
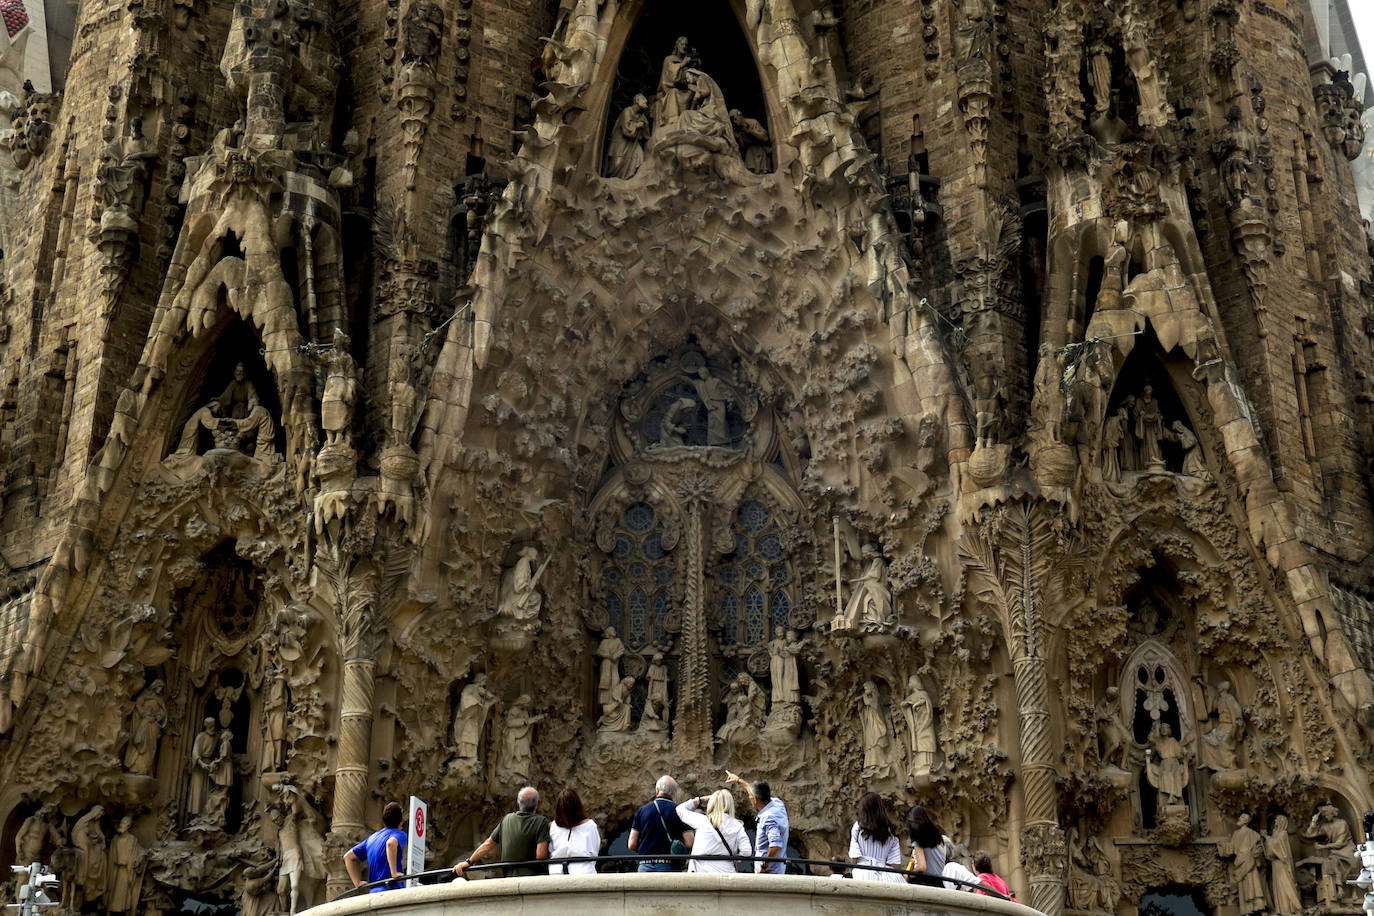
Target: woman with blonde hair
[[718, 831]]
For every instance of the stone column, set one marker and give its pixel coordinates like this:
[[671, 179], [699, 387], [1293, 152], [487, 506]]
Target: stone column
[[692, 733], [361, 632]]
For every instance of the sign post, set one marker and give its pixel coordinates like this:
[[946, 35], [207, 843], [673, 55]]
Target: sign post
[[415, 842]]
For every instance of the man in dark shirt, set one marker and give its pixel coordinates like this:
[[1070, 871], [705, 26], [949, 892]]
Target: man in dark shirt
[[522, 836], [656, 825], [381, 852]]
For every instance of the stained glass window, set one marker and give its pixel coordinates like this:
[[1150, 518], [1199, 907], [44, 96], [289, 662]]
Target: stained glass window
[[637, 579], [754, 583]]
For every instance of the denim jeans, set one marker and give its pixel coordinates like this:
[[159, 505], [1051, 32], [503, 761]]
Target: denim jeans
[[655, 866]]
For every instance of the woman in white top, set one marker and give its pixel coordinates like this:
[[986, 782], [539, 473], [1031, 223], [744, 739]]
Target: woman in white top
[[873, 841], [718, 831], [572, 834]]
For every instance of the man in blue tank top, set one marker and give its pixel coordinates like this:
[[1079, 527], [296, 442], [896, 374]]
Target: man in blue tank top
[[381, 851]]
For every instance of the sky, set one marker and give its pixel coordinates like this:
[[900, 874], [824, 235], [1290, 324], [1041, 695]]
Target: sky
[[1362, 11]]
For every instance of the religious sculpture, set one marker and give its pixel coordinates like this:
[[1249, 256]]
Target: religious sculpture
[[656, 699], [275, 700], [1335, 852], [92, 862], [1245, 850], [126, 868], [744, 712], [300, 851], [517, 739], [1113, 740], [919, 714], [610, 651], [123, 177], [520, 599], [1166, 767], [145, 730], [234, 419], [1283, 883], [221, 778], [1113, 431], [341, 387], [1194, 465], [877, 735], [674, 95], [1217, 749], [1234, 152], [870, 603], [782, 667], [715, 395], [37, 830], [1091, 885], [470, 718], [1149, 430], [625, 154], [752, 139], [616, 714], [673, 426], [204, 751]]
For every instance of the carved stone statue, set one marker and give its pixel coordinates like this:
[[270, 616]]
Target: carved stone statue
[[1335, 852], [708, 114], [782, 667], [221, 778], [920, 726], [1217, 749], [656, 700], [1091, 883], [1194, 465], [673, 426], [752, 138], [470, 718], [625, 154], [300, 851], [274, 704], [340, 392], [715, 394], [1113, 430], [1283, 882], [1113, 741], [517, 739], [1149, 430], [616, 715], [610, 651], [877, 735], [145, 730], [38, 828], [871, 601], [123, 175], [92, 865], [674, 95], [520, 598], [744, 716], [126, 865], [1234, 152], [204, 753], [1166, 767], [234, 419], [1245, 850]]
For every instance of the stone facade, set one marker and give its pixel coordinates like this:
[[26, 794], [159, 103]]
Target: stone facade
[[966, 400]]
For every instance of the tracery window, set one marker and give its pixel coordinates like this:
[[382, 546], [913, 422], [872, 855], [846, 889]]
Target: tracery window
[[638, 579], [755, 583]]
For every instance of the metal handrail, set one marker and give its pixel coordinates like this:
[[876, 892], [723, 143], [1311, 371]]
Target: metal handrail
[[923, 878]]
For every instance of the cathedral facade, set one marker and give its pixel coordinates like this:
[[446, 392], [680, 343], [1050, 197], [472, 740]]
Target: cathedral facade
[[963, 400]]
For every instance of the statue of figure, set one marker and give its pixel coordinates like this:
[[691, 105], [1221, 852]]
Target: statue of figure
[[145, 730], [259, 896], [973, 35], [714, 395], [1130, 450], [871, 600], [1113, 740], [744, 714], [470, 718], [221, 778], [341, 387], [1282, 881], [657, 697], [1217, 750], [1193, 463], [672, 428], [238, 397], [1335, 852], [1114, 272], [301, 851], [38, 829], [274, 706], [1149, 430], [520, 598], [752, 139], [674, 96], [1245, 849], [708, 114], [877, 734], [207, 417], [126, 866], [920, 726], [1113, 430], [1091, 883], [610, 651], [625, 154], [782, 667], [1234, 152], [1099, 54], [615, 715], [123, 175], [1166, 768], [204, 749], [518, 739], [91, 858]]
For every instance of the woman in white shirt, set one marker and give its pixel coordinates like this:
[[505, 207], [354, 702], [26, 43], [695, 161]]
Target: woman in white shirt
[[571, 835], [718, 831], [873, 841]]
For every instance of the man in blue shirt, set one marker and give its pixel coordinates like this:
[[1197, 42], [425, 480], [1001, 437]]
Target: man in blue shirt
[[770, 836], [381, 851], [656, 825]]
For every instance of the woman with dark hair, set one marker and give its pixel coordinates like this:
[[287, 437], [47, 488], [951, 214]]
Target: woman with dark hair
[[572, 835], [927, 848], [873, 840]]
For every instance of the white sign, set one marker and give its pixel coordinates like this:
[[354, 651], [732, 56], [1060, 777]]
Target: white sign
[[415, 843]]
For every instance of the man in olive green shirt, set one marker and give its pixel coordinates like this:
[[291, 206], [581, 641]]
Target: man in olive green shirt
[[522, 836]]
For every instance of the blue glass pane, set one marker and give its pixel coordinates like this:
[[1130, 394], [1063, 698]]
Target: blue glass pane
[[639, 572], [729, 576], [663, 574], [753, 517], [778, 575], [623, 547], [729, 609], [660, 615], [782, 606], [615, 611], [754, 571], [639, 517], [770, 546], [639, 612], [611, 576], [653, 546], [753, 617]]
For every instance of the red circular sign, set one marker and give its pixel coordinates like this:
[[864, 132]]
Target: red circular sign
[[419, 821]]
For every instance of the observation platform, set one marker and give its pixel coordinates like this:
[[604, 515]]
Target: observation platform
[[672, 894]]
